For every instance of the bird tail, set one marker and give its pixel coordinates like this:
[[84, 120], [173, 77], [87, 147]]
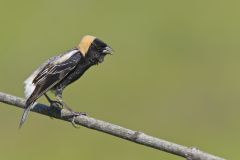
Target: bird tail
[[25, 113]]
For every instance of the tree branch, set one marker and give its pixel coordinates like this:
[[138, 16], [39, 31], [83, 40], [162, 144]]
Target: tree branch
[[112, 129]]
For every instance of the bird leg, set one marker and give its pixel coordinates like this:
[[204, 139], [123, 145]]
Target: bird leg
[[55, 105], [52, 102], [75, 114], [60, 100]]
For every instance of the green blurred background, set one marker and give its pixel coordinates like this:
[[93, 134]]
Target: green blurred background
[[174, 75]]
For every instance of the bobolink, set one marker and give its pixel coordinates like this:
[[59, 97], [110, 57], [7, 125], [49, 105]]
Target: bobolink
[[60, 71]]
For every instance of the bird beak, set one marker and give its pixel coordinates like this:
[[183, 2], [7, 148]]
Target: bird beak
[[108, 50]]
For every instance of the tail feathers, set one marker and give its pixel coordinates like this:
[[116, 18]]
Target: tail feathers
[[25, 115]]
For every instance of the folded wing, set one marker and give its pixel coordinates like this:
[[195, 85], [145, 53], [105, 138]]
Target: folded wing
[[52, 73]]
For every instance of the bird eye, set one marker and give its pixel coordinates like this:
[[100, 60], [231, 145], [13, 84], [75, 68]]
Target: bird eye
[[97, 48]]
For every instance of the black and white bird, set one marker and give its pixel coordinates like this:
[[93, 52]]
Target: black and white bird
[[60, 71]]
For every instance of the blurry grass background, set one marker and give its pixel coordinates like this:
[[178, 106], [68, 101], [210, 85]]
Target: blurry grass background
[[175, 75]]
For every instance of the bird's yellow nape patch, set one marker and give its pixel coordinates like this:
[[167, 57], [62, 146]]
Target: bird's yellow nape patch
[[85, 44]]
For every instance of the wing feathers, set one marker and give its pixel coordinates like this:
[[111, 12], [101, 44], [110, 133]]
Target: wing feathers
[[29, 86], [50, 74]]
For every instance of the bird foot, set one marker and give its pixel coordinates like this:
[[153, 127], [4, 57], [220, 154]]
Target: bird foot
[[56, 104], [75, 114], [55, 108], [80, 113], [53, 103]]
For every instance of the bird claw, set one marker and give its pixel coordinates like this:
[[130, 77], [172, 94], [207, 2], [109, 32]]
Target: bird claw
[[54, 108], [74, 124], [75, 114], [79, 113], [56, 104]]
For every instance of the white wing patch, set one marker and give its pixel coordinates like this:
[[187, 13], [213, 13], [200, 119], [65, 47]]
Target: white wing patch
[[65, 57]]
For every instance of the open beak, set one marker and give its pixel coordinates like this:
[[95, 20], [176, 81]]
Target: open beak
[[108, 50]]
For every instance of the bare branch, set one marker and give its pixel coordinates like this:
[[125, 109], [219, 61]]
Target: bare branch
[[112, 129]]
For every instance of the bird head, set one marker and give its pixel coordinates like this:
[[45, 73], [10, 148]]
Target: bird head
[[94, 49]]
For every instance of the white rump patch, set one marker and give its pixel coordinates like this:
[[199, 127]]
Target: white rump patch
[[29, 86]]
